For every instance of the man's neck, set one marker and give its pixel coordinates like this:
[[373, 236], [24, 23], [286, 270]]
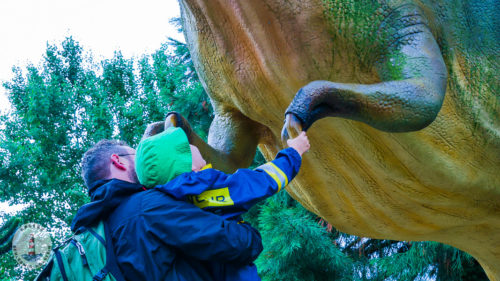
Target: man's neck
[[120, 176]]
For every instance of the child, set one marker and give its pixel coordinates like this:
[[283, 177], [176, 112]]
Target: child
[[168, 162]]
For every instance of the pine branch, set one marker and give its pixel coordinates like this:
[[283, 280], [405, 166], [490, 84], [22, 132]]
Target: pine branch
[[7, 234], [352, 244], [376, 247], [8, 229], [6, 247]]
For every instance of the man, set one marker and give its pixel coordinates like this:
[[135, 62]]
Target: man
[[156, 237]]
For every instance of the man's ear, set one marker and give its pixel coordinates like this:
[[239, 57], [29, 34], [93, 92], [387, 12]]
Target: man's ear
[[115, 160]]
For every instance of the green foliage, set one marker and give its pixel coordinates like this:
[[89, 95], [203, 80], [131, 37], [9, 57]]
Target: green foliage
[[296, 246], [170, 83], [430, 259], [42, 135], [7, 231]]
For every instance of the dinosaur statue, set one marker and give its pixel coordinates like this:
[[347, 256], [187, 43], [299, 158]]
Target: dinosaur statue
[[411, 146]]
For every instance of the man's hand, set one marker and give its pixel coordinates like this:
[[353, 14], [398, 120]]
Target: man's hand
[[300, 143]]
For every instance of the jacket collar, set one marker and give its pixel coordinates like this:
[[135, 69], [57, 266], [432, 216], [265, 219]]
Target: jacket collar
[[105, 195]]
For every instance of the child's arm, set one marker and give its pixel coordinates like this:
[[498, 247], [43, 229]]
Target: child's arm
[[248, 187], [243, 189], [279, 168]]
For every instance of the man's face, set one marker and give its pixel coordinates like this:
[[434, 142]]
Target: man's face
[[129, 158]]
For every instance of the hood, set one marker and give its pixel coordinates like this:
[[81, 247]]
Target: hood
[[106, 196], [162, 157]]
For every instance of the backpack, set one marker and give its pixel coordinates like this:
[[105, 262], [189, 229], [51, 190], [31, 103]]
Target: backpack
[[87, 255]]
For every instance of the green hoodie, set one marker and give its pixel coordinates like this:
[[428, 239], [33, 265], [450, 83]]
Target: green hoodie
[[163, 157]]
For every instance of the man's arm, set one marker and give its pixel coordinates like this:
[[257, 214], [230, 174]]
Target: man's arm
[[199, 234]]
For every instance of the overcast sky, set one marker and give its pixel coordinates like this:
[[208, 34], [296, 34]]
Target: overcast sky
[[134, 27]]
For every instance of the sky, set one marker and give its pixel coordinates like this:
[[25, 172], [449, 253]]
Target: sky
[[134, 27]]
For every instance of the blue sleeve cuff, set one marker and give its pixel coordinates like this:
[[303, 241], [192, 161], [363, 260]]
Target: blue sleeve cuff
[[284, 167], [290, 161]]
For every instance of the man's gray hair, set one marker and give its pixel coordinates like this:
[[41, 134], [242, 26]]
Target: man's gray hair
[[95, 162]]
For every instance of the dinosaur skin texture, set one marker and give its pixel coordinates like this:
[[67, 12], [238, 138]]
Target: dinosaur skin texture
[[400, 100]]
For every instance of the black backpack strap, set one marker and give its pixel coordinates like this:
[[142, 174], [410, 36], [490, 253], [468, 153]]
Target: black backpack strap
[[99, 237], [111, 262], [57, 254]]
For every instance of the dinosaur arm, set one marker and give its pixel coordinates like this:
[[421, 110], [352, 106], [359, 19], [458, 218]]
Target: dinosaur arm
[[409, 97], [232, 142]]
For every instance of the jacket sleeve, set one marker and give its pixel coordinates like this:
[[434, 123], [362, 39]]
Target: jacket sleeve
[[196, 233], [214, 189]]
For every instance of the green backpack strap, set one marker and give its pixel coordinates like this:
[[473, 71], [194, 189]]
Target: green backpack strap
[[111, 261]]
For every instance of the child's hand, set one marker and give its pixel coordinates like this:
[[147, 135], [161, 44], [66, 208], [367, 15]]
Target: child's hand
[[300, 143]]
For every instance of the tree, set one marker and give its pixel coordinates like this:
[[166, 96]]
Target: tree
[[40, 138], [296, 246]]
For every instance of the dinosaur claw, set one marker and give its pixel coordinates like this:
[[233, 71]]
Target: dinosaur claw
[[175, 119], [172, 120], [291, 128]]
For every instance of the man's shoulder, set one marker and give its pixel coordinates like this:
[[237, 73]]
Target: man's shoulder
[[150, 197], [204, 176], [142, 203]]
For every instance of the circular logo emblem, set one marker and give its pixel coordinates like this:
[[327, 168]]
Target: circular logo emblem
[[31, 245]]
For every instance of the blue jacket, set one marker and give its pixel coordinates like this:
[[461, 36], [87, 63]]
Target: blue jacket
[[156, 237], [230, 195]]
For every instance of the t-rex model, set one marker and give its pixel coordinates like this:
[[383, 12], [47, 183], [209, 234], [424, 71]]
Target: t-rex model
[[413, 150]]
